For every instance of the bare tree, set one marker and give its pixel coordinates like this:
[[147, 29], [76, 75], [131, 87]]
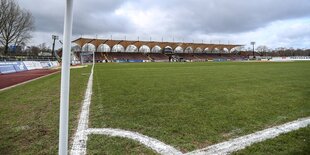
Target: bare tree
[[3, 9], [16, 24], [262, 49]]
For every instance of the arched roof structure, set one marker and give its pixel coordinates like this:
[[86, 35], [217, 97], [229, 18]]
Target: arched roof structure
[[125, 43]]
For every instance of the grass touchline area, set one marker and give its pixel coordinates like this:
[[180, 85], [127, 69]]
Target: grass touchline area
[[30, 114]]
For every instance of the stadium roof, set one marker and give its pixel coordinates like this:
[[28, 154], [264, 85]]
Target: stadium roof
[[125, 43]]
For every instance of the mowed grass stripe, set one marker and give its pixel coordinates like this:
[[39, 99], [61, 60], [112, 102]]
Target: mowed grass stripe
[[193, 105], [296, 142], [30, 114]]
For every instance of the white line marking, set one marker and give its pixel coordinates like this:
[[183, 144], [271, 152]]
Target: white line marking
[[80, 138], [247, 140], [152, 143]]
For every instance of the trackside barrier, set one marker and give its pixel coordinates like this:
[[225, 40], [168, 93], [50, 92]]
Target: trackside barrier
[[18, 66], [300, 58], [292, 58], [30, 65], [54, 64], [45, 64], [161, 60], [4, 69], [129, 60], [37, 65], [11, 67], [135, 60], [219, 60], [119, 61], [280, 59]]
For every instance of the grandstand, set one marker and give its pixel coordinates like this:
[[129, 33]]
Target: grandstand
[[108, 50], [128, 57], [158, 57], [151, 51]]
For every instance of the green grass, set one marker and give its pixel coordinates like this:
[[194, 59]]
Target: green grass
[[115, 146], [30, 114], [296, 142], [193, 105]]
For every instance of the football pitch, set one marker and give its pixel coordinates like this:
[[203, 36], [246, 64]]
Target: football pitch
[[188, 106], [193, 105]]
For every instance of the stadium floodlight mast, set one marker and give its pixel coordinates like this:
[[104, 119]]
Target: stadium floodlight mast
[[54, 37], [65, 80], [253, 43]]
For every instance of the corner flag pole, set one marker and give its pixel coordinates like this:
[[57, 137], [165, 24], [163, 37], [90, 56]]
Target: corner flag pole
[[65, 81]]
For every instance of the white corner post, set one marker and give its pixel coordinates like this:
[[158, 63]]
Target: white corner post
[[65, 81]]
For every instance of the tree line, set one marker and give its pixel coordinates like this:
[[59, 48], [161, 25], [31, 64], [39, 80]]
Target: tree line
[[263, 50], [16, 24]]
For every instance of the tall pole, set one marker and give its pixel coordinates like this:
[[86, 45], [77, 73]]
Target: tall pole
[[253, 52], [65, 80], [253, 43], [54, 38]]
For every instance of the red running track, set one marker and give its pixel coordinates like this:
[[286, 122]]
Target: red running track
[[7, 80]]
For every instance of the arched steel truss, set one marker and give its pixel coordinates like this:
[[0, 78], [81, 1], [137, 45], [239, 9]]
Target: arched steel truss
[[151, 44]]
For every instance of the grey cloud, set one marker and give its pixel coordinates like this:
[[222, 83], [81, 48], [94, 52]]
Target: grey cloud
[[183, 18], [227, 16], [222, 16], [101, 24], [90, 17], [186, 16], [94, 16]]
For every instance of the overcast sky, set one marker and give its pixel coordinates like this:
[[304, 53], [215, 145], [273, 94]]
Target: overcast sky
[[274, 23]]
